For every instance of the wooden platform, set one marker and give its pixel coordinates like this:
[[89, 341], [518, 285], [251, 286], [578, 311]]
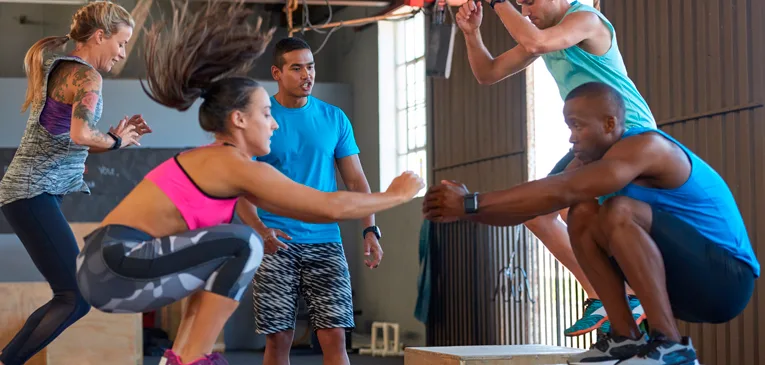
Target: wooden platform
[[96, 339], [97, 336], [488, 355]]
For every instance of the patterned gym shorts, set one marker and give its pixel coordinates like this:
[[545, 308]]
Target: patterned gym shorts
[[317, 272]]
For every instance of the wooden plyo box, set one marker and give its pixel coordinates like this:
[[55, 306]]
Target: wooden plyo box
[[488, 355], [96, 339]]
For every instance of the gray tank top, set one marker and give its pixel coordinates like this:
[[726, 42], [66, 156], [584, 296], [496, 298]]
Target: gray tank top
[[46, 163]]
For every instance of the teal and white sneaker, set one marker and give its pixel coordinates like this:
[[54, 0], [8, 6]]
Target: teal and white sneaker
[[637, 313], [662, 351], [594, 317], [609, 351]]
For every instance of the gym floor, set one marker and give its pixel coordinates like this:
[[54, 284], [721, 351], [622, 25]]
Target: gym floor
[[301, 357]]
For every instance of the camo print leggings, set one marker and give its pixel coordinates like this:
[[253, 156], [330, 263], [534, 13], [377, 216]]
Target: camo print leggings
[[124, 270]]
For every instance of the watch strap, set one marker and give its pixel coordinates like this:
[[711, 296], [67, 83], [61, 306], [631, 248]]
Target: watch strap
[[373, 229], [117, 141]]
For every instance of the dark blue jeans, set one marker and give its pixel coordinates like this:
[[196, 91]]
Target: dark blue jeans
[[47, 237]]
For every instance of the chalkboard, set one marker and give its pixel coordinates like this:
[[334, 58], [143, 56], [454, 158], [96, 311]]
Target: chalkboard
[[110, 176]]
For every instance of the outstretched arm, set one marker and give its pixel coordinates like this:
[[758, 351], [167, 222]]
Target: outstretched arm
[[624, 162], [271, 190], [574, 29]]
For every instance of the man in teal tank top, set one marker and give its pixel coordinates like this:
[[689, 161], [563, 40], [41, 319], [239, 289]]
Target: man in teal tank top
[[578, 45], [670, 227]]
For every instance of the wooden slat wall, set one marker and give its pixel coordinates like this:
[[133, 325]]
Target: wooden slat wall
[[469, 261], [699, 63], [479, 138]]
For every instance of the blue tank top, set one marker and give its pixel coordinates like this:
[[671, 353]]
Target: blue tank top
[[573, 66], [704, 201]]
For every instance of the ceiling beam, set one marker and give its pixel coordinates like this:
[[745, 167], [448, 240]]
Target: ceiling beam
[[55, 2], [352, 22], [358, 3]]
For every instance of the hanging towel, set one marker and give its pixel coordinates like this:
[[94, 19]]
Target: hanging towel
[[424, 279]]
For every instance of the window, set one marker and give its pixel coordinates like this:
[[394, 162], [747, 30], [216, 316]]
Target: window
[[561, 297], [403, 115]]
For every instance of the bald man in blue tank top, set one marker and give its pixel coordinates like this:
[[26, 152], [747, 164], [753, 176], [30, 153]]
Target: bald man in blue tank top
[[578, 45], [645, 209]]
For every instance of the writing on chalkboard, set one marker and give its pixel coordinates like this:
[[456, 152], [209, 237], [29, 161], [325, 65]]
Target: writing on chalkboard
[[107, 171], [110, 177]]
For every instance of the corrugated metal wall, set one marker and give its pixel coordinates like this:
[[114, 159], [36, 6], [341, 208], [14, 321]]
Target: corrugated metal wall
[[699, 63], [479, 138]]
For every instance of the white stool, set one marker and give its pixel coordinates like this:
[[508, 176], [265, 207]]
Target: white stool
[[389, 348]]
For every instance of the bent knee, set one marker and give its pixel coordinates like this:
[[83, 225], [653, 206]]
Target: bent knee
[[82, 308], [254, 252], [618, 211], [79, 306], [542, 222], [582, 214], [251, 242]]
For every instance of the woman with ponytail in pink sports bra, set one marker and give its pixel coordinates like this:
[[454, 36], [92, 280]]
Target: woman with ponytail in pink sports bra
[[171, 237]]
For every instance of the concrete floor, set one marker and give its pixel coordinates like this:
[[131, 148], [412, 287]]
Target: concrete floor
[[298, 357]]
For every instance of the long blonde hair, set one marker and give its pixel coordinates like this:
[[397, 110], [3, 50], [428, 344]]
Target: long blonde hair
[[103, 15]]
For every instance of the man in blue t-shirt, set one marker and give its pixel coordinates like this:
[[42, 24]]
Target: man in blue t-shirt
[[313, 137], [669, 226], [578, 45]]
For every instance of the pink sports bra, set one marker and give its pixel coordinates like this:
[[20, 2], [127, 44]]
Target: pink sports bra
[[197, 208]]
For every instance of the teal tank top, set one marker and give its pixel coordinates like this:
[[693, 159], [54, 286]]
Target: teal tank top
[[573, 66], [704, 201]]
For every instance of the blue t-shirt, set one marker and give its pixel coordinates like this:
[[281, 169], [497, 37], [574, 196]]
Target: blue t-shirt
[[573, 66], [304, 148], [704, 201]]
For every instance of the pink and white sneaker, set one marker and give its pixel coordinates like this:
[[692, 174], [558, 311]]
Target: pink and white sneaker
[[216, 359], [171, 358]]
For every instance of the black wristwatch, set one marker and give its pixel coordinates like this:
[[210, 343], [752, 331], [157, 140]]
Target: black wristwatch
[[494, 2], [117, 141], [471, 203], [374, 229]]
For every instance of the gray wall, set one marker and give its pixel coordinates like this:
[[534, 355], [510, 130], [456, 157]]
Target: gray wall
[[43, 20], [346, 66], [172, 129], [125, 97]]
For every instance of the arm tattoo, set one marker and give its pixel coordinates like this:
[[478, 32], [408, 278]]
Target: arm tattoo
[[58, 83], [87, 84]]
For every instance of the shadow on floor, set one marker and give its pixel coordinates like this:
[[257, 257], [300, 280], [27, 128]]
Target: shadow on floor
[[297, 357]]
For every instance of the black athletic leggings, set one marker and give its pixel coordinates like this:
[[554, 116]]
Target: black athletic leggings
[[47, 237]]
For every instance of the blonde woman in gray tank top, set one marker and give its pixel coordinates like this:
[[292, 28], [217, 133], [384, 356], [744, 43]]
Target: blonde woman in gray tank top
[[64, 99]]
